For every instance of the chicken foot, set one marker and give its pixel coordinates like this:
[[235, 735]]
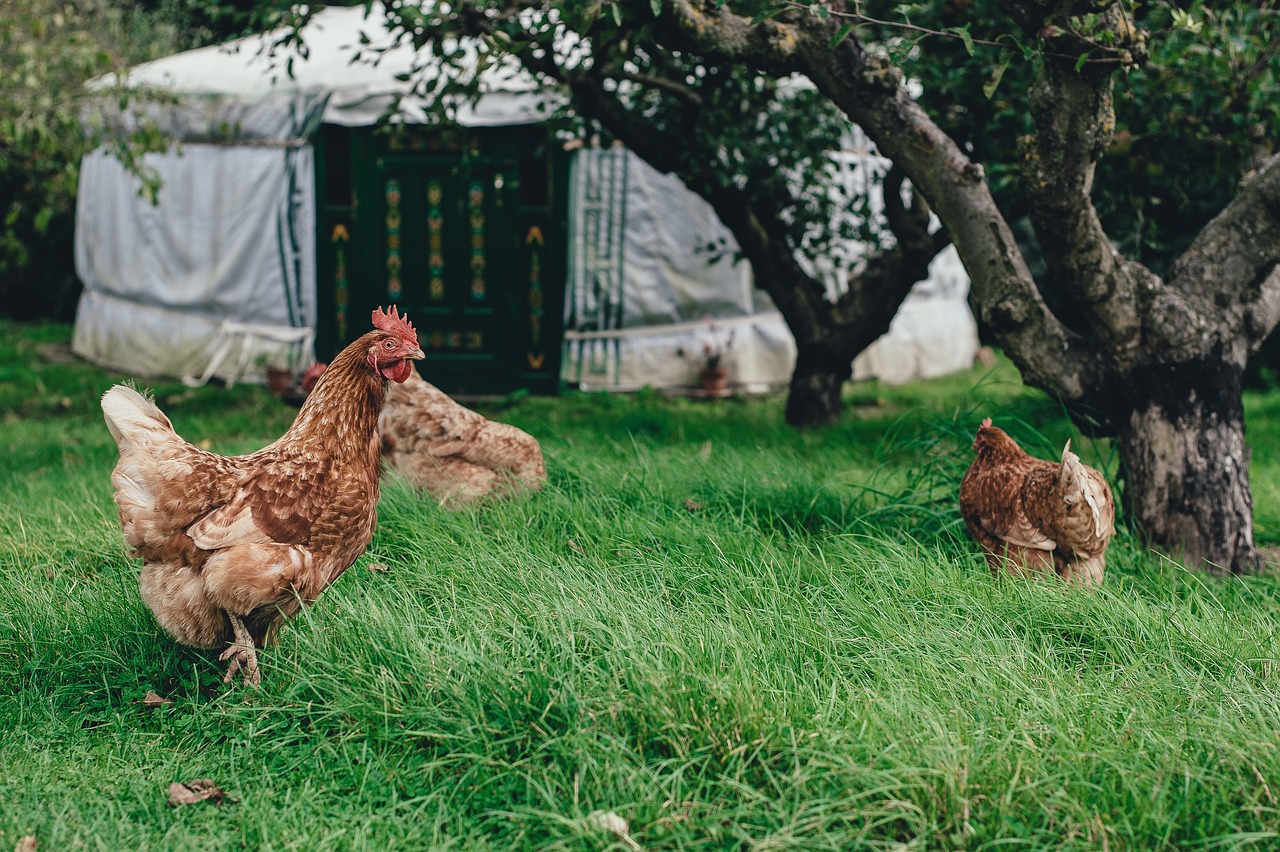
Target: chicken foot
[[241, 653]]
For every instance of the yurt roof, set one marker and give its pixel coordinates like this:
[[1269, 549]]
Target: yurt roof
[[351, 62]]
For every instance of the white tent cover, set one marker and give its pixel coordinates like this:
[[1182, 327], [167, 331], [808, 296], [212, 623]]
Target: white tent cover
[[348, 73], [231, 239]]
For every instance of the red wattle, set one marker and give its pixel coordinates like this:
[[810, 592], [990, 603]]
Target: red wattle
[[397, 371]]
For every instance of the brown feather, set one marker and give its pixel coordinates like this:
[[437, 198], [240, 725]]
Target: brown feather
[[451, 452], [1032, 516]]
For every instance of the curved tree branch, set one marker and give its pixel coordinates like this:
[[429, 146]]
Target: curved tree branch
[[756, 227], [1074, 115], [1234, 262], [868, 307]]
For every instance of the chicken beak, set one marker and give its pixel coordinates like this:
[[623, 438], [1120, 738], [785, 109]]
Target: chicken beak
[[416, 355]]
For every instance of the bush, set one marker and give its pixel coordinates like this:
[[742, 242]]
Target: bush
[[48, 50]]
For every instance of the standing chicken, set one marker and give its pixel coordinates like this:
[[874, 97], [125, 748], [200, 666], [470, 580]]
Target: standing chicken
[[1033, 516], [232, 546], [451, 452]]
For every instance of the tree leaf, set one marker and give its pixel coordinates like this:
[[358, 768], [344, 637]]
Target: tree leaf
[[989, 87], [771, 12], [41, 221], [841, 35], [963, 32]]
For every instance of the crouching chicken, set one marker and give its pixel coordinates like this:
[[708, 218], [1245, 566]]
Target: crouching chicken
[[1033, 516], [233, 546], [456, 455]]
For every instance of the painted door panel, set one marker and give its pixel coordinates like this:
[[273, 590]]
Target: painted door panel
[[445, 260], [449, 233]]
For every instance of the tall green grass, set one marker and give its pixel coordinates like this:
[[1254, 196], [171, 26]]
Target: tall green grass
[[730, 634]]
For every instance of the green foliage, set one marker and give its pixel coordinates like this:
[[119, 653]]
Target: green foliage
[[1198, 118], [1192, 121], [201, 22], [48, 49], [696, 626]]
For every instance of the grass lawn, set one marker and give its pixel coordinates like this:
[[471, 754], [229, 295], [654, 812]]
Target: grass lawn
[[728, 634]]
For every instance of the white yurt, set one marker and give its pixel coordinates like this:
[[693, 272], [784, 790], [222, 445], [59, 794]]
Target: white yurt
[[288, 208]]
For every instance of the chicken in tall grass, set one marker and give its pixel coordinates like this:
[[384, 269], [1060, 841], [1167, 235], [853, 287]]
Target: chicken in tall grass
[[456, 455], [1033, 516], [233, 546]]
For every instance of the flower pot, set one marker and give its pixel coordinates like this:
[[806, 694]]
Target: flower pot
[[278, 380], [715, 381]]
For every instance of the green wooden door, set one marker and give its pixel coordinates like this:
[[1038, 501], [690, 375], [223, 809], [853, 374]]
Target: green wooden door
[[465, 233], [448, 249]]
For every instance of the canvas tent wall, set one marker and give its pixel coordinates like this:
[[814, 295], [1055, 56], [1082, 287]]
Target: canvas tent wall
[[645, 293]]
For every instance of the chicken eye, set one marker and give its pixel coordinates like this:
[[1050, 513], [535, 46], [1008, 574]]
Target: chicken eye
[[389, 344]]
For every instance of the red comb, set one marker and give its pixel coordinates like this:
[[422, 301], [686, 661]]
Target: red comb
[[986, 424], [393, 323]]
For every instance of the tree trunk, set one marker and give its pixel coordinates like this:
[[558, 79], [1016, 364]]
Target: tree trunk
[[816, 385], [1187, 465]]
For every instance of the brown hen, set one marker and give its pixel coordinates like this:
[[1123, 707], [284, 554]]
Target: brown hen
[[232, 546], [1033, 516], [453, 453]]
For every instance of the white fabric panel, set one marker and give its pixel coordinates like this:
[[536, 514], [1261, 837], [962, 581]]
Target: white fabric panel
[[665, 265], [933, 333], [638, 238], [665, 286], [231, 238], [669, 356], [496, 109], [286, 116]]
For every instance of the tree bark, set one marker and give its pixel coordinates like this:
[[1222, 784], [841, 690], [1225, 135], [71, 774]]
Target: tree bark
[[814, 397], [1186, 464]]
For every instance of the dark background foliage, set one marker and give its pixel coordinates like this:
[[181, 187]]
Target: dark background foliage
[[48, 50]]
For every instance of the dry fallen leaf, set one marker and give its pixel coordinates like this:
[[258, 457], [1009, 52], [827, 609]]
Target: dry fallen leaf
[[575, 547], [199, 790], [378, 567], [692, 505], [151, 700], [26, 844]]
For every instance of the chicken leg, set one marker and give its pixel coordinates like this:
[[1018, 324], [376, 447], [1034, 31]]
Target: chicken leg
[[241, 653]]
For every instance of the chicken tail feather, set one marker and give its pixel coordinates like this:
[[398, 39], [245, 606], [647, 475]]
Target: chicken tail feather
[[132, 417], [1076, 479]]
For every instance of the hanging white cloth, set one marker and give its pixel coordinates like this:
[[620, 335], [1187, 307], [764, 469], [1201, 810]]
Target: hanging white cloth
[[246, 344]]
